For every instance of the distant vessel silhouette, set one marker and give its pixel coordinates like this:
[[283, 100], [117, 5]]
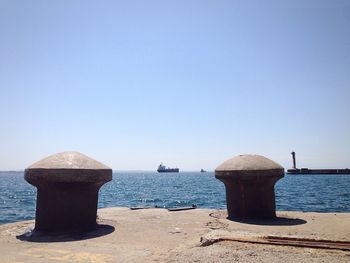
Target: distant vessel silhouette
[[163, 169], [203, 171]]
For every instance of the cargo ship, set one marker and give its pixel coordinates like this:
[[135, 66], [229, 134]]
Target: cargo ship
[[296, 170], [163, 169]]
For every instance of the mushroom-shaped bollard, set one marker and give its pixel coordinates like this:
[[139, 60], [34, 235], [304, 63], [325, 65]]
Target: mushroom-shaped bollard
[[249, 181], [68, 185]]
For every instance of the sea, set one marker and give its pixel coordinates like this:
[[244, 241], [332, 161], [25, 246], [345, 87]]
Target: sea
[[308, 193]]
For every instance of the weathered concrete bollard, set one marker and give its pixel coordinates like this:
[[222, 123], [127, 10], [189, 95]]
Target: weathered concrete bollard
[[68, 185], [249, 182]]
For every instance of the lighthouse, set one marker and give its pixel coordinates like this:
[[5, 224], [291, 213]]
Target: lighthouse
[[294, 162]]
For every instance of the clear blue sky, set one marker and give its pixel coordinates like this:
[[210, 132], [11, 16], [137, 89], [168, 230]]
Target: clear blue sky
[[187, 83]]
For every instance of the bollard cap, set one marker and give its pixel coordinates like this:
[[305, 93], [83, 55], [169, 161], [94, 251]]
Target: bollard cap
[[249, 165], [68, 167]]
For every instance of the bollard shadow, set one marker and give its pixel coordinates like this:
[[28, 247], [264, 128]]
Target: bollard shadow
[[35, 236], [278, 221]]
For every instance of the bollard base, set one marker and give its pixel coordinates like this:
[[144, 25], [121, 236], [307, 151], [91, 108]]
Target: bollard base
[[66, 207], [250, 198]]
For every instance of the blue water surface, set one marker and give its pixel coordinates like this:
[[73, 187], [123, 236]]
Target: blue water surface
[[317, 193]]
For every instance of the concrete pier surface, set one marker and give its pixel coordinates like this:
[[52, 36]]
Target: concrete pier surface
[[198, 235]]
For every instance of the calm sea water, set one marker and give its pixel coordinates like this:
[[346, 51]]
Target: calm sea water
[[318, 193]]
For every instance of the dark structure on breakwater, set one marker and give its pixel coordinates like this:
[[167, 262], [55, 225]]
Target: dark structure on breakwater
[[296, 170]]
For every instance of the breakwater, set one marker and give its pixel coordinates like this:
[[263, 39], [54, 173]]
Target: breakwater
[[318, 171]]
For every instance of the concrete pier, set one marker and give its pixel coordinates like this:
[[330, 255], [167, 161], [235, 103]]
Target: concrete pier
[[199, 235]]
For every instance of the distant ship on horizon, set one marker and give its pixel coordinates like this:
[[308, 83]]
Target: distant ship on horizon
[[163, 169]]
